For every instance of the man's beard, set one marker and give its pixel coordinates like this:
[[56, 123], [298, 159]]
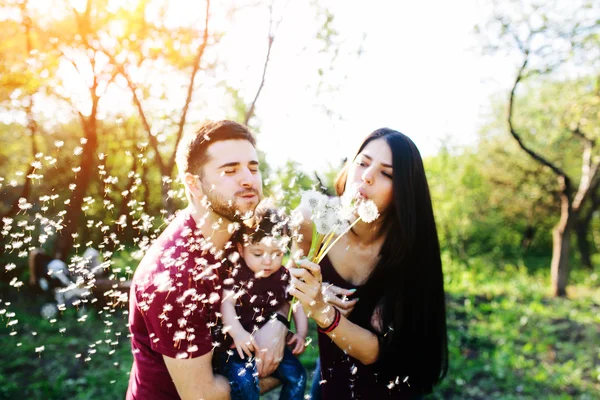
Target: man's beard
[[226, 208]]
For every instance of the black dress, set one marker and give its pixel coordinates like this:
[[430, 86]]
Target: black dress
[[343, 376]]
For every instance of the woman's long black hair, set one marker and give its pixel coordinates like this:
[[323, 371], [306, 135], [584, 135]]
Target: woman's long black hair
[[407, 284]]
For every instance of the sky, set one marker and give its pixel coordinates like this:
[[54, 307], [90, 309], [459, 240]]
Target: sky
[[410, 66], [419, 72]]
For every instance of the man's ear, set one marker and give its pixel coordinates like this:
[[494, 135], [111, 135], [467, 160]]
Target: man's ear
[[192, 182]]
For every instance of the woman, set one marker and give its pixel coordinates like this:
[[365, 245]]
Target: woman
[[393, 344]]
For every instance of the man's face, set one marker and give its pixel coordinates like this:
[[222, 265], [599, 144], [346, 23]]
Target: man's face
[[231, 179]]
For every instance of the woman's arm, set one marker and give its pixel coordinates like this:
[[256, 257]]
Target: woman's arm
[[358, 342]]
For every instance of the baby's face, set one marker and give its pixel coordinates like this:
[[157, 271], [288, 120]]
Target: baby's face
[[263, 258]]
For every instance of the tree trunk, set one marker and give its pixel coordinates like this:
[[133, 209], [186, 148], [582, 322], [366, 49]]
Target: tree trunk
[[581, 230], [71, 223], [560, 248], [146, 185], [126, 234]]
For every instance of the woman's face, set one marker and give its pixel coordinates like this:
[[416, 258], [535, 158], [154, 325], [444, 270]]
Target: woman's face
[[370, 175]]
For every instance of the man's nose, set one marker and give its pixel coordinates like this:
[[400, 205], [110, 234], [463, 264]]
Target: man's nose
[[247, 178]]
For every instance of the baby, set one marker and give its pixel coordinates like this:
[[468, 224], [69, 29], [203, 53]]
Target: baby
[[254, 291]]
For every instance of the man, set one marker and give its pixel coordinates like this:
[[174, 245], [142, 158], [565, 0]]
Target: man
[[176, 291]]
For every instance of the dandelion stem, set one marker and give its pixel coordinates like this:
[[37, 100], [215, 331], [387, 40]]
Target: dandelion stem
[[326, 242], [324, 252]]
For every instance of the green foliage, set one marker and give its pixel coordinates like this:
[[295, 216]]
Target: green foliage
[[286, 184], [469, 222], [508, 339]]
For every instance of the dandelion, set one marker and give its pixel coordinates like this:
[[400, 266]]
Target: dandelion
[[313, 200], [331, 218], [367, 211]]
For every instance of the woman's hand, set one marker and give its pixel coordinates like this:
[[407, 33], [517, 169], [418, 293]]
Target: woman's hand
[[338, 297], [306, 286]]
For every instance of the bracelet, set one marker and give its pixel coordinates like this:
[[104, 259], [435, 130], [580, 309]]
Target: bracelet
[[334, 324], [282, 319]]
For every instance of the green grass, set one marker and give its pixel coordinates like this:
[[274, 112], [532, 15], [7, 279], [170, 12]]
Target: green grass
[[65, 358], [508, 339]]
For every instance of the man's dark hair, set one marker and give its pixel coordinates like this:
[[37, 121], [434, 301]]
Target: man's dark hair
[[192, 148]]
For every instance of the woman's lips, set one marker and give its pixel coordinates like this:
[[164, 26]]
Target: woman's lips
[[360, 193]]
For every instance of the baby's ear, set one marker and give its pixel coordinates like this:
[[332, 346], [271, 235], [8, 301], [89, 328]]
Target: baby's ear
[[240, 248]]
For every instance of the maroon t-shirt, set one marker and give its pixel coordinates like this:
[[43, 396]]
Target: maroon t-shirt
[[172, 302], [256, 298]]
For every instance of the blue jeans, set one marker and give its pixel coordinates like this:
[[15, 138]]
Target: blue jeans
[[315, 389], [243, 376]]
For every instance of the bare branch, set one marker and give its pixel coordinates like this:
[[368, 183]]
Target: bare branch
[[271, 39], [151, 138], [190, 91], [582, 136], [559, 172]]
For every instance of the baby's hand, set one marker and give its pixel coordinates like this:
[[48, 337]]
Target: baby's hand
[[298, 342], [244, 342]]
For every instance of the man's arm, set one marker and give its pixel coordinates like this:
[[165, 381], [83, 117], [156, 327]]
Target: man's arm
[[194, 378]]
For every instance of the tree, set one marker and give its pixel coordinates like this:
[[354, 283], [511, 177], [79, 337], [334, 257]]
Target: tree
[[74, 42], [548, 38], [20, 84]]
